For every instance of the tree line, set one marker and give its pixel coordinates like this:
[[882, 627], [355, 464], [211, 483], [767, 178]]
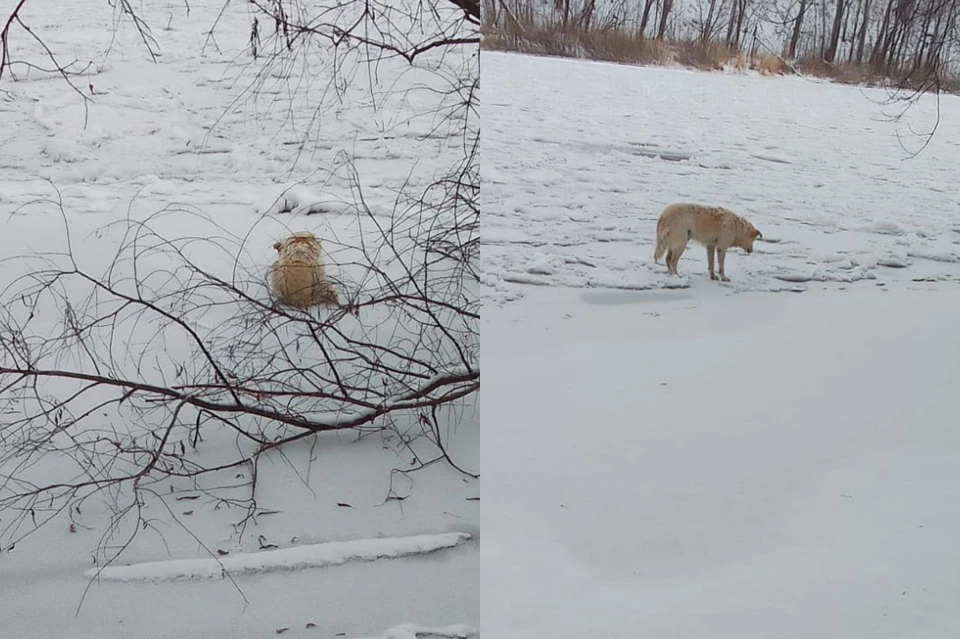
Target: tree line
[[892, 38]]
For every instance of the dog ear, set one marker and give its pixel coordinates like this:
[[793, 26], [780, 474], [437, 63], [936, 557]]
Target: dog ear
[[277, 246]]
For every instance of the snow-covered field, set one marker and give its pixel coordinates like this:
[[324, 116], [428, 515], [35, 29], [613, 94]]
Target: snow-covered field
[[716, 460], [581, 157], [346, 540]]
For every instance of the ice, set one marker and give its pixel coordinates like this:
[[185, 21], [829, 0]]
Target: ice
[[720, 460], [185, 136]]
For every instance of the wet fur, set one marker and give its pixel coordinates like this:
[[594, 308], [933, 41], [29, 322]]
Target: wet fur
[[298, 277], [715, 227]]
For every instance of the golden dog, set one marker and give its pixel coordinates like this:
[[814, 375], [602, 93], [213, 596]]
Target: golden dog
[[298, 277], [713, 226]]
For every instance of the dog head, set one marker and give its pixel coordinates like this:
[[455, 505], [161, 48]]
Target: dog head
[[302, 240], [751, 235]]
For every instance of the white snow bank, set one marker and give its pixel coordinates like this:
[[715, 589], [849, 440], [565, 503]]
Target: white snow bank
[[312, 556], [301, 200], [411, 631]]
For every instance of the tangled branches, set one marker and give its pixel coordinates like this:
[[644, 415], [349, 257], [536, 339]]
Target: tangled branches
[[165, 366], [401, 29], [124, 372]]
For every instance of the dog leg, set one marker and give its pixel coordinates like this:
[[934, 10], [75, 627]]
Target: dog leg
[[676, 258], [710, 250], [669, 261], [721, 254], [672, 265]]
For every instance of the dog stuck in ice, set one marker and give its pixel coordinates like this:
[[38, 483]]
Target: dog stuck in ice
[[715, 227], [298, 277]]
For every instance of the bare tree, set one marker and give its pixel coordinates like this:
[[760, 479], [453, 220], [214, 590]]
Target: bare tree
[[839, 16], [647, 7], [862, 35], [708, 22], [666, 8], [797, 29], [738, 12]]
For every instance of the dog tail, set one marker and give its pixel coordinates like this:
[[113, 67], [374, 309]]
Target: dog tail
[[661, 245]]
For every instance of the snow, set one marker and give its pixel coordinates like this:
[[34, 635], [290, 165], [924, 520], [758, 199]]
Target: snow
[[306, 556], [184, 145], [683, 464], [719, 460]]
